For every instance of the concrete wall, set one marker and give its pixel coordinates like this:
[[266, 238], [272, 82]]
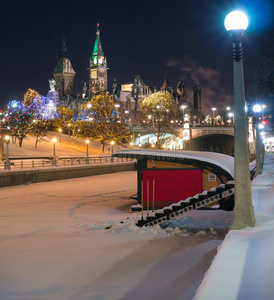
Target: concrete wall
[[8, 178]]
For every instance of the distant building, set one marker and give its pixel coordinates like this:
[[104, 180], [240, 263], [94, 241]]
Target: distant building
[[98, 67], [197, 104], [64, 74], [133, 94], [165, 87]]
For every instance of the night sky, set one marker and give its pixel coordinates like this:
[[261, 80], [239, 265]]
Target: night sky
[[186, 39]]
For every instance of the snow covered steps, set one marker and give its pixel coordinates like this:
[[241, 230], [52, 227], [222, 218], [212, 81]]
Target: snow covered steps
[[222, 192]]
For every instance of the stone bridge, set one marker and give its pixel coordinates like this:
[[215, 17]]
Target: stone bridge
[[218, 138]]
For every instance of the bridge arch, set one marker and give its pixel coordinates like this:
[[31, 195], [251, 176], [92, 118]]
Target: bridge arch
[[222, 143]]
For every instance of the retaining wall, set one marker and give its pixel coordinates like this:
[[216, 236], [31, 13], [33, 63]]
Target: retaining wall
[[15, 177]]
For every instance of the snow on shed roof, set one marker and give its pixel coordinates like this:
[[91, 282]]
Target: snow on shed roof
[[223, 161]]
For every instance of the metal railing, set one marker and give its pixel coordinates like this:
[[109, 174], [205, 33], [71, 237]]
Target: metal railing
[[32, 163]]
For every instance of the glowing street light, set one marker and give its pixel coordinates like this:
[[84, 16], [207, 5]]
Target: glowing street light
[[213, 112], [69, 129], [7, 161], [60, 130], [231, 115], [257, 109], [235, 23], [112, 143], [183, 107], [54, 161], [87, 158]]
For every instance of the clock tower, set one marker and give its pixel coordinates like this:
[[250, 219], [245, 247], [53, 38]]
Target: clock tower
[[97, 67]]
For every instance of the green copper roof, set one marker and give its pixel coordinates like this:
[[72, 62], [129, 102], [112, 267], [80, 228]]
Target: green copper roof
[[97, 49], [63, 66]]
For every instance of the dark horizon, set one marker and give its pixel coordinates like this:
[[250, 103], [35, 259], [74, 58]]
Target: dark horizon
[[186, 40]]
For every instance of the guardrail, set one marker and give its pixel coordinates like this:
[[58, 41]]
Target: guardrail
[[32, 163]]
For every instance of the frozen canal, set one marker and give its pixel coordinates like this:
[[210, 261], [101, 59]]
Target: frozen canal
[[54, 244]]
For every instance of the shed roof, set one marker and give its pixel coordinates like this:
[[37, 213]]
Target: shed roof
[[219, 160]]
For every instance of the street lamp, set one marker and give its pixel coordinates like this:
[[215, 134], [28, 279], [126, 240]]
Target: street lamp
[[231, 115], [183, 108], [60, 130], [54, 161], [7, 161], [236, 22], [69, 129], [213, 112], [257, 110], [87, 158], [112, 143]]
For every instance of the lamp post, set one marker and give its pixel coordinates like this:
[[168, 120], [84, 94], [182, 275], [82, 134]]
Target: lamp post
[[112, 143], [183, 108], [7, 161], [257, 109], [60, 130], [236, 22], [54, 162], [213, 114], [87, 158], [231, 115], [69, 129]]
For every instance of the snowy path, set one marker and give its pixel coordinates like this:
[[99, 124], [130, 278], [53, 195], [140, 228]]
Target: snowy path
[[54, 245], [243, 269]]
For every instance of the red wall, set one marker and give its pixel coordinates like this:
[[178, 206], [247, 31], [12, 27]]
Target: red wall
[[171, 186]]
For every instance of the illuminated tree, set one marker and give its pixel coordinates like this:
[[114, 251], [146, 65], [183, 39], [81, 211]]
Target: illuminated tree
[[39, 129], [42, 111], [18, 119], [64, 117], [29, 96], [106, 123], [163, 110], [208, 119]]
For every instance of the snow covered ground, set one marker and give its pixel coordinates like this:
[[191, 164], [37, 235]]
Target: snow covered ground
[[77, 239], [243, 269], [67, 147], [54, 243]]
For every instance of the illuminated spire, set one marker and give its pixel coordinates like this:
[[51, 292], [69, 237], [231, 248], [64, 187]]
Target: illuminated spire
[[97, 49], [64, 51]]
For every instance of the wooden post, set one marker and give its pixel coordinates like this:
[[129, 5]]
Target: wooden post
[[147, 196], [142, 200], [153, 193]]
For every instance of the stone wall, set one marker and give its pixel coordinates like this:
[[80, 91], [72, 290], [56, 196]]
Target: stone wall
[[15, 177]]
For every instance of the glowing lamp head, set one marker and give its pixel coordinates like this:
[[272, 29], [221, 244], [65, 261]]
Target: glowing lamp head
[[60, 130], [236, 20], [87, 141], [257, 108], [54, 140], [112, 142], [261, 126], [7, 138]]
